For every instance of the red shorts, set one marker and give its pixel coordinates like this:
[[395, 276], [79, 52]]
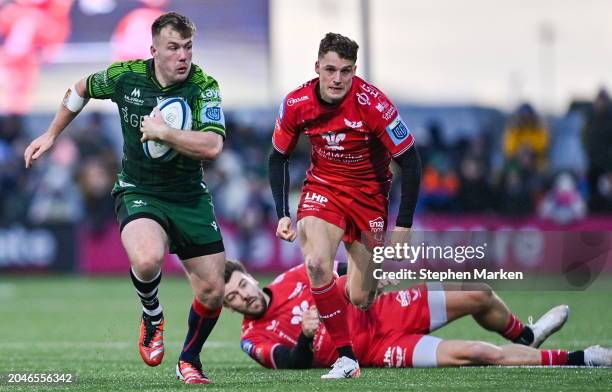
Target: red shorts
[[393, 332], [357, 213]]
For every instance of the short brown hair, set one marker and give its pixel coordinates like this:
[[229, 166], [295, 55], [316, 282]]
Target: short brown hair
[[344, 46], [231, 266], [178, 22]]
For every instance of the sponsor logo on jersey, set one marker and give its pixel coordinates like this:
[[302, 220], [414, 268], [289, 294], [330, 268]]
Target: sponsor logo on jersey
[[363, 99], [381, 106], [214, 225], [389, 113], [397, 130], [272, 326], [403, 298], [212, 113], [315, 198], [293, 101], [353, 124], [247, 346], [211, 93], [395, 356], [298, 311], [299, 287], [333, 140], [377, 225], [139, 203], [134, 97], [327, 316], [370, 90]]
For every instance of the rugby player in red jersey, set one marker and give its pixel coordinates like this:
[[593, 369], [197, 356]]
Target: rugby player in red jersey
[[354, 131], [281, 328]]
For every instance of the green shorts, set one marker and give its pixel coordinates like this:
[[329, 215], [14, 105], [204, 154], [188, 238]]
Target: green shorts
[[190, 224]]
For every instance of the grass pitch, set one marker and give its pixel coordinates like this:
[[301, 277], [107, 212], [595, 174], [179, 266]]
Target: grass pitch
[[90, 327]]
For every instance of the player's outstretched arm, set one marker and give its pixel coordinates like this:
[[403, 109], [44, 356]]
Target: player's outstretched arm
[[74, 101], [300, 356], [278, 172], [198, 145]]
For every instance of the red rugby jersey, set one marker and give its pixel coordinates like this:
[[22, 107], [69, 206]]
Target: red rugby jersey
[[281, 324], [352, 142]]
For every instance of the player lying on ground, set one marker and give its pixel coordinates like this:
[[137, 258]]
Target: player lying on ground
[[281, 328]]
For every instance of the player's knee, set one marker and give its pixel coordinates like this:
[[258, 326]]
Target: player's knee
[[319, 271], [481, 298], [147, 263], [483, 353], [210, 294]]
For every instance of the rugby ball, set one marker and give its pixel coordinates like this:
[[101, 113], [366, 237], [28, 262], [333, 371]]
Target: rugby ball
[[176, 114]]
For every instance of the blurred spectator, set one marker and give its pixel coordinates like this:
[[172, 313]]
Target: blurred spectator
[[56, 197], [33, 31], [95, 179], [440, 184], [563, 204], [566, 152], [132, 36], [92, 141], [514, 196], [13, 196], [597, 137], [526, 131], [474, 193]]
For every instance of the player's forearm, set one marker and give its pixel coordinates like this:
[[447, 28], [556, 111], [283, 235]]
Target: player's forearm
[[198, 145], [410, 163], [299, 357], [278, 173], [64, 116]]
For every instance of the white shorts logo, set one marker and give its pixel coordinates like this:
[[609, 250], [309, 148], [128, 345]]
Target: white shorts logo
[[316, 198]]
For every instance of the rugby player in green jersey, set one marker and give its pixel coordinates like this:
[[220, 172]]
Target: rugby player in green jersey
[[162, 204]]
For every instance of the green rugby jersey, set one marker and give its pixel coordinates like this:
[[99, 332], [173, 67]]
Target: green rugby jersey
[[133, 87]]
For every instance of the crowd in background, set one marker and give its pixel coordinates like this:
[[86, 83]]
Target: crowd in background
[[557, 168]]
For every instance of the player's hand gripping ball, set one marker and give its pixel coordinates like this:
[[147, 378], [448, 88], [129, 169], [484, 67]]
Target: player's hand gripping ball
[[176, 114]]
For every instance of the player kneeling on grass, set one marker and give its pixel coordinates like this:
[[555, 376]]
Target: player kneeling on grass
[[281, 327]]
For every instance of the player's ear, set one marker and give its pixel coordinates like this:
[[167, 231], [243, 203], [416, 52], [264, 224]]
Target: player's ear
[[153, 51], [317, 67]]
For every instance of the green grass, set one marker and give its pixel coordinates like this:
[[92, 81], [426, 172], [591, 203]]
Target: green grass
[[89, 327]]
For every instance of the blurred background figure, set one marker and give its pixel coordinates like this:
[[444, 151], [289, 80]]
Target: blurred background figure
[[526, 132], [563, 203], [132, 36], [597, 136], [33, 31]]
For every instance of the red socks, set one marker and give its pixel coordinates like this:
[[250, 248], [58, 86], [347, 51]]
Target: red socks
[[331, 305], [513, 328], [553, 357]]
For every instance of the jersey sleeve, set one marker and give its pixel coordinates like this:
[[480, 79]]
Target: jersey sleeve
[[260, 349], [207, 112], [102, 84], [390, 128], [285, 135]]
